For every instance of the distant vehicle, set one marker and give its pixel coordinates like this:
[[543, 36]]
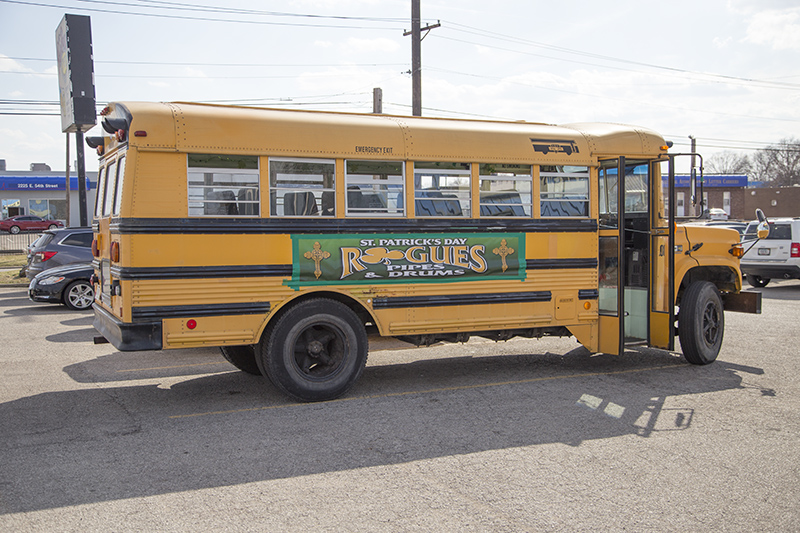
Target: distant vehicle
[[30, 249], [777, 256], [716, 213], [69, 285], [738, 226], [60, 247], [28, 223]]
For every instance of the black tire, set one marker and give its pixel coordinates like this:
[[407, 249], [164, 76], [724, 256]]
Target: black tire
[[52, 226], [78, 295], [242, 357], [13, 229], [757, 281], [701, 323], [316, 350]]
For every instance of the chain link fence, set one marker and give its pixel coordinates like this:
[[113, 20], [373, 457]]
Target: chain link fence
[[17, 243]]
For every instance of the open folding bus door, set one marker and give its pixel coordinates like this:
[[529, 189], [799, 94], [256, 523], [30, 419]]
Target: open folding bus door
[[633, 257]]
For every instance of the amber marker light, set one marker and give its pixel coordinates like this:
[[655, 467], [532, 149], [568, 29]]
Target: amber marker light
[[115, 252], [587, 305], [95, 248]]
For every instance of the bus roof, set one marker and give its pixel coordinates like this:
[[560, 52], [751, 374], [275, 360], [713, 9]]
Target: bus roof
[[204, 128]]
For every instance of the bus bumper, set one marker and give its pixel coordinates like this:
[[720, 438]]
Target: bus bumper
[[742, 302], [127, 337]]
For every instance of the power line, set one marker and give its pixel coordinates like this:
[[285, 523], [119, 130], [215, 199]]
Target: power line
[[205, 64], [716, 78], [567, 91], [485, 33], [201, 19]]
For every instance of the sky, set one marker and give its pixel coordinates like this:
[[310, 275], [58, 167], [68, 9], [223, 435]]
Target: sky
[[725, 72]]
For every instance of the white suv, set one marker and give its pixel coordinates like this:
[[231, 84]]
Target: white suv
[[777, 256]]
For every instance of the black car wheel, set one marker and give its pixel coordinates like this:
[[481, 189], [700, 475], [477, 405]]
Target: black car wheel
[[757, 281], [79, 295]]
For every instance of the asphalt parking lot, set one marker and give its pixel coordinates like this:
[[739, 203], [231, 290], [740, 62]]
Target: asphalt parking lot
[[525, 435]]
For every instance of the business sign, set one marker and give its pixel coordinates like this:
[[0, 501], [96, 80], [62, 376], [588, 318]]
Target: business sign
[[40, 183], [75, 73], [684, 180], [376, 259]]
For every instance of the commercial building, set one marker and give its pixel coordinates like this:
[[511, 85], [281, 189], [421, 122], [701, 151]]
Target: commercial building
[[43, 192]]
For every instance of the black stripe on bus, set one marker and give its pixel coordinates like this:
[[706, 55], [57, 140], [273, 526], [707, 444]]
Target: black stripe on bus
[[547, 264], [588, 294], [460, 299], [204, 225], [234, 271], [192, 311]]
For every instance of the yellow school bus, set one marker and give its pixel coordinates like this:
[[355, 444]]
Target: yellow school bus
[[287, 237]]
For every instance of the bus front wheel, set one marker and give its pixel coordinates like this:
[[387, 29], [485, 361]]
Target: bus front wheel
[[242, 357], [701, 323], [315, 351]]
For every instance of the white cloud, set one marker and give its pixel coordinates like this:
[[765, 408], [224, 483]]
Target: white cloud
[[719, 42], [779, 29]]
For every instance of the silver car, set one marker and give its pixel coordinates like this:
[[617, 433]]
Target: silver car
[[60, 247]]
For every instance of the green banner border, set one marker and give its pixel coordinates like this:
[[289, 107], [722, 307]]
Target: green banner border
[[296, 283]]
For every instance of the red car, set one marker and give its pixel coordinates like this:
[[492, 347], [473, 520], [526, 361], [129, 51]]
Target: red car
[[28, 223]]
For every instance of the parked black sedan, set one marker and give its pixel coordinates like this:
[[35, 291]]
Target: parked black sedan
[[69, 285]]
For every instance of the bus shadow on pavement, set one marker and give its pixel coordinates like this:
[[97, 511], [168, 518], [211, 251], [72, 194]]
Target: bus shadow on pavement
[[102, 444]]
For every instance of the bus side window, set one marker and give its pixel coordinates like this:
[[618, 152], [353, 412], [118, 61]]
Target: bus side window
[[299, 186], [564, 191], [506, 190], [223, 185], [442, 189], [374, 188]]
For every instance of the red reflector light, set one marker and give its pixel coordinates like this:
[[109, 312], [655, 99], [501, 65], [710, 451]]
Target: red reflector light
[[44, 256], [120, 135], [796, 249], [191, 323], [140, 133], [95, 248]]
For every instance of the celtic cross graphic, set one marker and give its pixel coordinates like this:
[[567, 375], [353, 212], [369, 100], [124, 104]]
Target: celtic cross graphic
[[503, 251], [317, 255]]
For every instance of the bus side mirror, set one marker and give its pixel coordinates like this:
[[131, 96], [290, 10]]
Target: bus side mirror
[[763, 225]]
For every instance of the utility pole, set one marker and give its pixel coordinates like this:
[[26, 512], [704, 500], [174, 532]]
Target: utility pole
[[693, 176], [416, 57], [377, 100]]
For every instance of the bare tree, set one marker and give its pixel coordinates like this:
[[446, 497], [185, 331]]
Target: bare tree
[[778, 164], [727, 162]]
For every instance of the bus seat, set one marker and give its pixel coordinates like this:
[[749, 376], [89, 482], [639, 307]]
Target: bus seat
[[354, 198], [328, 203], [300, 203], [221, 203], [246, 198]]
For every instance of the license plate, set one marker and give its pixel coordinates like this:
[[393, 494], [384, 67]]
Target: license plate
[[763, 251]]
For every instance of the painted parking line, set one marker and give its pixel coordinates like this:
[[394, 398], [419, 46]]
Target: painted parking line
[[169, 367], [435, 390]]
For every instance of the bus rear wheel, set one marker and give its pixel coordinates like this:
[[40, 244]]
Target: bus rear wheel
[[701, 323], [242, 357], [315, 351]]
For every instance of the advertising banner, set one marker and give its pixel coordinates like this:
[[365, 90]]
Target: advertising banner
[[417, 258]]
